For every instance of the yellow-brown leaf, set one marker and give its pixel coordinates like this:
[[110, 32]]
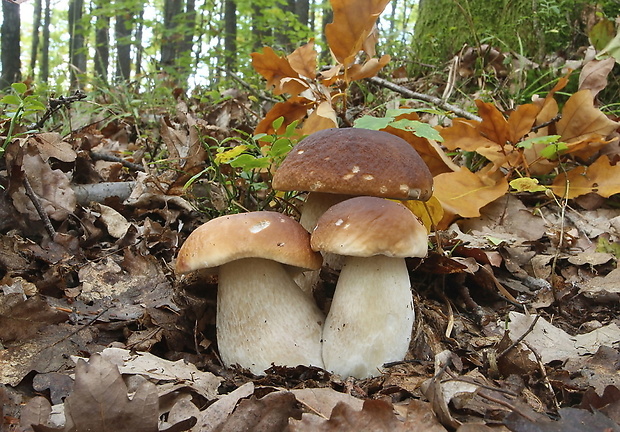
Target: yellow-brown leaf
[[464, 193], [303, 60], [493, 126], [274, 69], [601, 178], [521, 120], [353, 22], [580, 118]]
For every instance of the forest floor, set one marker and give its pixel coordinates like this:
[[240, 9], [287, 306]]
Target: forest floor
[[517, 327]]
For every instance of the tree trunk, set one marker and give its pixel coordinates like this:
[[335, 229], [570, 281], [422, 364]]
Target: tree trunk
[[302, 10], [122, 31], [170, 36], [77, 55], [102, 41], [45, 47], [139, 24], [230, 35], [10, 45], [261, 33], [36, 28]]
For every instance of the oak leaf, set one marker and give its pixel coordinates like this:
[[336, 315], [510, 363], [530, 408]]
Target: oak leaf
[[354, 21], [581, 120], [275, 70], [293, 109], [303, 60], [601, 178], [464, 193]]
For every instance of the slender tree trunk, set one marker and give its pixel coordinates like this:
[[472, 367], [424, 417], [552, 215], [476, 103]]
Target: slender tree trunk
[[283, 34], [302, 10], [45, 47], [10, 45], [261, 33], [102, 41], [328, 16], [36, 28], [170, 36], [230, 35], [77, 55], [122, 30], [139, 24]]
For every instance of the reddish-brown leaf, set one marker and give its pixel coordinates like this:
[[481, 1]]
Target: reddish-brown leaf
[[493, 126], [521, 120], [278, 72], [581, 119], [293, 109]]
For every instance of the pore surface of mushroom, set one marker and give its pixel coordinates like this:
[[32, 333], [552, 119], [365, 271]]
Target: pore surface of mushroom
[[371, 315], [263, 317]]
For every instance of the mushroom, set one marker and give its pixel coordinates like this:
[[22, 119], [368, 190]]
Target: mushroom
[[371, 315], [336, 164], [263, 317]]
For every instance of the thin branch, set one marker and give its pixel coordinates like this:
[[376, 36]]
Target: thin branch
[[520, 338], [427, 98], [111, 158], [37, 205], [54, 105]]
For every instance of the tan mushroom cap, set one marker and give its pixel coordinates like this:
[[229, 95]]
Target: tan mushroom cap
[[355, 162], [261, 234], [368, 226]]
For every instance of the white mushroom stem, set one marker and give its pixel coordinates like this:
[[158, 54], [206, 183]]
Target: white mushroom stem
[[371, 317], [263, 317]]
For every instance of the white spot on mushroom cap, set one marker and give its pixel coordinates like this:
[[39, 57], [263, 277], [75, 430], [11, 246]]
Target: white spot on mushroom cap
[[316, 185], [355, 169], [300, 151], [404, 188], [383, 189], [368, 177], [339, 222], [259, 226]]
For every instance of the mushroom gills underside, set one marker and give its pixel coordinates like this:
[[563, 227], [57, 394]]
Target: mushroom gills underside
[[264, 318], [371, 317]]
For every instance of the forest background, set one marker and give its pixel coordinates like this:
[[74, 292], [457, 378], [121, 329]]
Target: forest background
[[204, 45]]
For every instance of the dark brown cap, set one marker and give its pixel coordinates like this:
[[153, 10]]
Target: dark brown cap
[[355, 162]]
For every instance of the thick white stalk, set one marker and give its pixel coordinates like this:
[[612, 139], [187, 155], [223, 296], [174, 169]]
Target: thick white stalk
[[371, 317], [263, 317]]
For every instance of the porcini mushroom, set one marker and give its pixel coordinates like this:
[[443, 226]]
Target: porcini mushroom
[[371, 315], [336, 164], [263, 317]]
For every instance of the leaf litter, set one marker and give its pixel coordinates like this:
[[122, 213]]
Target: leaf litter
[[517, 303]]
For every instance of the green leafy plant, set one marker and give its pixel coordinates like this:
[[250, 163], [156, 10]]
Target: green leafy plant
[[243, 170], [19, 107]]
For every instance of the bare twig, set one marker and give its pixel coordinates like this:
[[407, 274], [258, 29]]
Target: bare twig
[[54, 105], [427, 98], [520, 338], [111, 158], [40, 210]]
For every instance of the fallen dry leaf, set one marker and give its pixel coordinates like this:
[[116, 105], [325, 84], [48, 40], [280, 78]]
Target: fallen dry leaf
[[601, 178], [353, 22]]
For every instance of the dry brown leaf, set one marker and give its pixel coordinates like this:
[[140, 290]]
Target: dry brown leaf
[[493, 126], [521, 120], [601, 178], [594, 74], [323, 117], [274, 69], [464, 134], [303, 60], [368, 69], [293, 109], [376, 416], [100, 401], [353, 22], [51, 144], [580, 119], [464, 193], [269, 413], [21, 318]]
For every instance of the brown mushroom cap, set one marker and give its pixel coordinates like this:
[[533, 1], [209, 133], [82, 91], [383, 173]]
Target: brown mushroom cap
[[261, 234], [368, 226], [355, 162]]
